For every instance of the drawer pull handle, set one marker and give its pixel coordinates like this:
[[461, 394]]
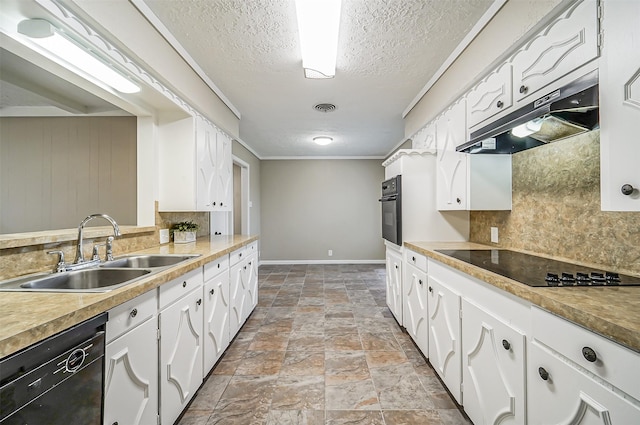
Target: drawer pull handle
[[506, 345], [430, 289], [543, 373], [134, 312], [199, 301], [499, 104], [184, 284], [589, 354], [212, 291]]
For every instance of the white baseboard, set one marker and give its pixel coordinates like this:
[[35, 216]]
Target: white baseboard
[[285, 262]]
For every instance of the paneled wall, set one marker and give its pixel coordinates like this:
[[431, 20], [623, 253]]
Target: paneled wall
[[556, 208], [55, 171]]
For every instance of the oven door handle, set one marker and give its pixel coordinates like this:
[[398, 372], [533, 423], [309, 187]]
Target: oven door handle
[[388, 198]]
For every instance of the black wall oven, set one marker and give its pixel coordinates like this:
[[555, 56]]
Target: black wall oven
[[391, 201]]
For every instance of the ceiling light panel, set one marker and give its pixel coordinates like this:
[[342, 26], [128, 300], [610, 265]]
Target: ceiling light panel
[[318, 26]]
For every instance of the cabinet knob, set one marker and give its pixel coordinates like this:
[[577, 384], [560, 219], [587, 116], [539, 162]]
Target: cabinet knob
[[430, 289], [506, 345], [589, 354], [184, 284], [420, 281], [627, 189], [543, 373], [115, 423], [499, 104], [134, 312], [214, 204], [212, 291], [523, 89], [218, 265], [221, 204], [199, 301], [240, 255], [458, 200], [413, 259], [245, 267]]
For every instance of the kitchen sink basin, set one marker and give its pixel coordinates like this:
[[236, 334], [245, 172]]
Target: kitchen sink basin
[[89, 280], [147, 261]]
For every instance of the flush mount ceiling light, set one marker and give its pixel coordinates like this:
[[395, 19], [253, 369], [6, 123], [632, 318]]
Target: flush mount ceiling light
[[318, 25], [73, 56], [322, 140]]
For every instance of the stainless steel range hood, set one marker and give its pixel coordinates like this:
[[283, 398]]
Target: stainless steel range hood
[[565, 112]]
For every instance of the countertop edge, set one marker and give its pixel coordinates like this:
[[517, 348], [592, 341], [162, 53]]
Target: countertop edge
[[628, 337], [96, 303]]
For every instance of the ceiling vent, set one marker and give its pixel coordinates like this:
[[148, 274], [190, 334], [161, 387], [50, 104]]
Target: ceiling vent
[[325, 107]]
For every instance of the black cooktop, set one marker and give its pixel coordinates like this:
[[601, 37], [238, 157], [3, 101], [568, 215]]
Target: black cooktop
[[539, 271]]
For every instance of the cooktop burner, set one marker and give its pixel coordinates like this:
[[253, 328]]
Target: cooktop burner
[[539, 271]]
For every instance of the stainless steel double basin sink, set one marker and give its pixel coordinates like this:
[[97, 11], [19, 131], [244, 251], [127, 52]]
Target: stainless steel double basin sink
[[101, 278]]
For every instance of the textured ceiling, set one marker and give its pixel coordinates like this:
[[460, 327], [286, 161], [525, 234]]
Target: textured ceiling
[[388, 50]]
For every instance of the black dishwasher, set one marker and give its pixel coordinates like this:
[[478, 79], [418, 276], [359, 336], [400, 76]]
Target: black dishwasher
[[58, 380]]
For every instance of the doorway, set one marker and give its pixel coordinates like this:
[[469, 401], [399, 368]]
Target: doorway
[[240, 197]]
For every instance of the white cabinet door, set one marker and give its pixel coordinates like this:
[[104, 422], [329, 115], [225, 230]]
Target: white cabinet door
[[180, 354], [394, 284], [444, 335], [216, 320], [415, 316], [251, 277], [567, 43], [206, 168], [620, 105], [224, 172], [493, 366], [131, 377], [490, 96], [451, 180], [557, 393], [237, 298]]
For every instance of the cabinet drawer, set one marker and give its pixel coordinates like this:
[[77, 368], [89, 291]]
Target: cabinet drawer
[[238, 255], [417, 260], [216, 267], [178, 288], [252, 248], [612, 362], [130, 314]]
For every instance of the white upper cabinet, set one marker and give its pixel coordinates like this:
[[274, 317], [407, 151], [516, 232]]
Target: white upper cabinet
[[568, 42], [620, 106], [451, 180], [195, 167], [490, 96], [425, 138]]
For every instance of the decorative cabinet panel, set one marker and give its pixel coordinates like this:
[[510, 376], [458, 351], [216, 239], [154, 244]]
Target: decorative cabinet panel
[[490, 96], [451, 179], [415, 312], [558, 393], [131, 377], [394, 283], [493, 365], [444, 335], [620, 106], [216, 319], [195, 167], [251, 278], [180, 354], [568, 42], [238, 297], [425, 138]]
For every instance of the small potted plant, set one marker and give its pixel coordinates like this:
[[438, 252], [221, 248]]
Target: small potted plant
[[184, 232]]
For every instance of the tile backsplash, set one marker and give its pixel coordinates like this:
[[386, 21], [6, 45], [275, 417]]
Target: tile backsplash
[[556, 208]]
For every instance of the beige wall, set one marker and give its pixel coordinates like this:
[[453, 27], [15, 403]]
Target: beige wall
[[512, 22], [311, 206], [556, 208], [245, 155]]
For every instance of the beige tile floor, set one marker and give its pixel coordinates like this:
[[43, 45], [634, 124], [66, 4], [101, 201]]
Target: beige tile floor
[[321, 347]]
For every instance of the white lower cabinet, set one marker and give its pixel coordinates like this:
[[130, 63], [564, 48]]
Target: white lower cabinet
[[238, 297], [493, 368], [415, 312], [252, 284], [216, 319], [394, 283], [558, 393], [444, 335], [181, 340], [131, 363]]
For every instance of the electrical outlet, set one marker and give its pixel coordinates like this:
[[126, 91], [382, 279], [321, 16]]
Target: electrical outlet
[[164, 236], [330, 253], [494, 235]]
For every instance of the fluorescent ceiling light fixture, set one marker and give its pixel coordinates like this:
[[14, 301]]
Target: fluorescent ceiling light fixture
[[322, 140], [528, 128], [80, 59], [318, 25]]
